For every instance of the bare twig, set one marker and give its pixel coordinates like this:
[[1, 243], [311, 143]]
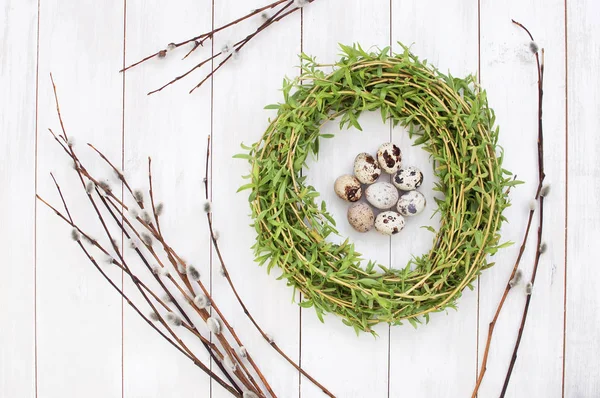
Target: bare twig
[[70, 221], [540, 198], [151, 193], [286, 8], [105, 195], [200, 39], [236, 48], [238, 297]]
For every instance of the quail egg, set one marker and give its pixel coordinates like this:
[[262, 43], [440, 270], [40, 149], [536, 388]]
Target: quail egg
[[389, 157], [348, 188], [382, 195], [389, 223], [408, 178], [411, 203], [366, 168], [361, 217]]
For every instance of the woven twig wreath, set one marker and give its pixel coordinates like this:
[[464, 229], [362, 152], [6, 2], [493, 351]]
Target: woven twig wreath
[[453, 123]]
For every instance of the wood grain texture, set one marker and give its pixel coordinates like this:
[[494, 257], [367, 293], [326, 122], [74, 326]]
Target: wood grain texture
[[241, 90], [79, 315], [175, 138], [508, 73], [582, 301], [87, 346], [360, 362], [18, 47], [420, 355]]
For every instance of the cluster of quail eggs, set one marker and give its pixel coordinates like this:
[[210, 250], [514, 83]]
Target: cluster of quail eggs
[[394, 200]]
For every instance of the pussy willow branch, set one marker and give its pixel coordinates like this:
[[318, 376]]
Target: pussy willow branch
[[242, 374], [540, 199], [70, 221], [200, 39], [202, 312], [107, 196], [237, 296], [78, 166], [287, 8], [245, 378], [82, 172], [136, 280], [213, 305], [96, 244], [542, 175]]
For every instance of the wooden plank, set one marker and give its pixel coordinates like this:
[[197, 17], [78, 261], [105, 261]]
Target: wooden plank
[[171, 127], [439, 358], [582, 301], [79, 315], [241, 90], [17, 203], [332, 350], [508, 73]]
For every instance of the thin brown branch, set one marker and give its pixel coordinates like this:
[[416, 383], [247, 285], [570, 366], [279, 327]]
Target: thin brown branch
[[182, 312], [151, 194], [201, 38], [538, 251], [237, 47], [116, 263], [175, 80], [60, 119], [540, 199], [79, 168], [278, 16], [246, 377], [118, 172], [238, 297], [492, 324], [70, 221]]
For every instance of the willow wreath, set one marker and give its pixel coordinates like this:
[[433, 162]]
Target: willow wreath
[[452, 121]]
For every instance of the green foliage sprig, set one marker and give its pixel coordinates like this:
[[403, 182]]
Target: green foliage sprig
[[451, 120]]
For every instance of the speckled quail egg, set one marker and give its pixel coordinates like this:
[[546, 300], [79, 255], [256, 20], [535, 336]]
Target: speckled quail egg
[[411, 203], [348, 188], [389, 223], [382, 195], [361, 217], [408, 178], [366, 168], [389, 157]]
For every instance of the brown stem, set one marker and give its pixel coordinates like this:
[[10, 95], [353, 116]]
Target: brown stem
[[135, 280], [240, 44], [541, 173], [540, 199], [207, 35], [122, 294], [245, 378], [501, 305], [278, 16], [118, 172], [180, 309], [151, 194], [116, 263], [239, 299]]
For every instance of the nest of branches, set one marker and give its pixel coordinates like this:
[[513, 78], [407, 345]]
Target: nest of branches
[[452, 121]]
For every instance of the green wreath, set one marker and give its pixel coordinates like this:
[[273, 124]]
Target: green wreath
[[453, 123]]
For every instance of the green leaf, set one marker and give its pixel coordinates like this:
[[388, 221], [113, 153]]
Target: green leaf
[[368, 282]]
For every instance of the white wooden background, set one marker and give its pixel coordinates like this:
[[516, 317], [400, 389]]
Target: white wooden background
[[64, 333]]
